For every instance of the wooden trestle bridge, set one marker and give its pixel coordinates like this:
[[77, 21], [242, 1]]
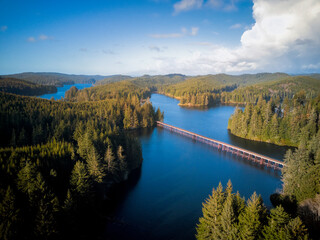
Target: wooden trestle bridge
[[252, 156]]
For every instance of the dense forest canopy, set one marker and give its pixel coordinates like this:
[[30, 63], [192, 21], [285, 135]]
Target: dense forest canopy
[[209, 89], [294, 122], [287, 87], [58, 159], [228, 216], [56, 79], [22, 87], [287, 122], [118, 90]]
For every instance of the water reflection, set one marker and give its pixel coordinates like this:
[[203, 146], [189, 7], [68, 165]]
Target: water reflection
[[177, 174]]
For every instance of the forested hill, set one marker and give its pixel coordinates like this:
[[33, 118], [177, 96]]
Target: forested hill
[[286, 87], [56, 79], [22, 87], [206, 90], [58, 160], [118, 90], [112, 78]]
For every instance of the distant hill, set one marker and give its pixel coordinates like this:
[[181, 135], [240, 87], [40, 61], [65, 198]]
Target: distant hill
[[56, 79], [217, 83], [22, 87], [286, 87], [113, 78], [115, 87], [115, 90], [153, 82]]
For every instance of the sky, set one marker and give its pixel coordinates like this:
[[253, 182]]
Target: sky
[[192, 37]]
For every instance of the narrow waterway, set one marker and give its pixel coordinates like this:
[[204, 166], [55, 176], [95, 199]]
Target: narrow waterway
[[163, 200], [62, 90]]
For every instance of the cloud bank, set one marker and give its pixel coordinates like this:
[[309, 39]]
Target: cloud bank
[[187, 5], [184, 32], [285, 37]]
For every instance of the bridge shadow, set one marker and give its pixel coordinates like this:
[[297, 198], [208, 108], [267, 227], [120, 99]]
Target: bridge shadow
[[228, 155]]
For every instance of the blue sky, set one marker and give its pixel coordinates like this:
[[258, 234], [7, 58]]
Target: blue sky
[[159, 36]]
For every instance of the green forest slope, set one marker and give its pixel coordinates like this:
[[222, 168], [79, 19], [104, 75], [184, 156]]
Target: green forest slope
[[22, 87]]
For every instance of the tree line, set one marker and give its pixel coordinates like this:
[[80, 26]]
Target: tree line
[[21, 87], [243, 89], [293, 122], [228, 216], [58, 159]]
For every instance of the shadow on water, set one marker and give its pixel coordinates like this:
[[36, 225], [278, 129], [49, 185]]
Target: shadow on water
[[118, 228], [120, 190], [229, 156], [267, 149], [163, 199]]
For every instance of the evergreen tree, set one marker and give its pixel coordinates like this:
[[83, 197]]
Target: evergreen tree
[[110, 161], [277, 221], [228, 219], [252, 218], [80, 183], [209, 225], [9, 215], [95, 167], [45, 223], [121, 158], [27, 179]]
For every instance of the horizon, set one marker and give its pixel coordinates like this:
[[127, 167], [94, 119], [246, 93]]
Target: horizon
[[135, 76], [159, 37]]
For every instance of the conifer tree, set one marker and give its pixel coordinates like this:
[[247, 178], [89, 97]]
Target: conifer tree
[[122, 159], [27, 179], [9, 215], [277, 221], [209, 225], [110, 161], [252, 218], [228, 219], [80, 183], [95, 166]]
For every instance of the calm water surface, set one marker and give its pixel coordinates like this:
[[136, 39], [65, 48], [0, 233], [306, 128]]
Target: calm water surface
[[163, 200], [61, 90]]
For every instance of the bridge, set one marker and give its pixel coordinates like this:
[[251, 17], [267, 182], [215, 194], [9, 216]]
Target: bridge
[[251, 156]]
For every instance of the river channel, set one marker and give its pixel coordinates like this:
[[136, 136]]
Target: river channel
[[163, 199]]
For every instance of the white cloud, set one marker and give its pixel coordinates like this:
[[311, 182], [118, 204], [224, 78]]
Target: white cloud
[[108, 52], [186, 5], [225, 5], [31, 39], [236, 26], [43, 37], [155, 48], [194, 31], [3, 28], [167, 35], [285, 37], [184, 32]]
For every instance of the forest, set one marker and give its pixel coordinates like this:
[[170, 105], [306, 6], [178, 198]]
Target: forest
[[59, 159], [22, 87], [226, 89], [293, 122], [56, 79], [228, 216]]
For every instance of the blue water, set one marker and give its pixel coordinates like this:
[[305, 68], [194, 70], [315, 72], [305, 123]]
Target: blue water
[[61, 90], [164, 199]]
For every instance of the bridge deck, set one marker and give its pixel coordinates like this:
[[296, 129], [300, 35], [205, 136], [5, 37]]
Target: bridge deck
[[225, 146]]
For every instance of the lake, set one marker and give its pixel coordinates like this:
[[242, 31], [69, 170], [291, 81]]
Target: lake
[[61, 90], [163, 200]]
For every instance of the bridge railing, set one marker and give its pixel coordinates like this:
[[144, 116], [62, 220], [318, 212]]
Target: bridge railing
[[256, 157]]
